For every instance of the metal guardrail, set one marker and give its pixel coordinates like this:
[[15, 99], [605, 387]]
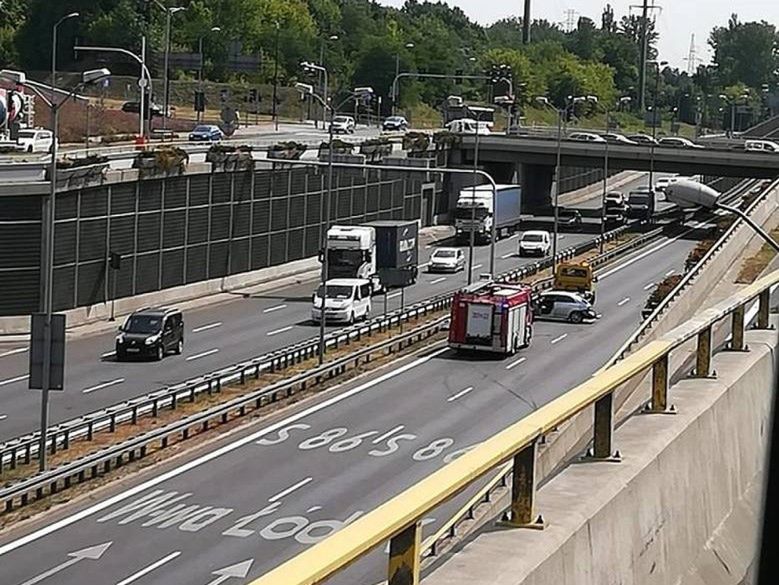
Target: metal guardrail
[[690, 276], [399, 519], [24, 449]]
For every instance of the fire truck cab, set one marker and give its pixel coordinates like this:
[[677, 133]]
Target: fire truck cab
[[492, 316]]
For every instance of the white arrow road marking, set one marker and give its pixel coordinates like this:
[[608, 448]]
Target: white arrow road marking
[[238, 571], [276, 308], [149, 569], [623, 301], [290, 489], [202, 355], [282, 330], [559, 339], [14, 351], [12, 380], [206, 327], [460, 394], [437, 280], [516, 363], [92, 553], [103, 385]]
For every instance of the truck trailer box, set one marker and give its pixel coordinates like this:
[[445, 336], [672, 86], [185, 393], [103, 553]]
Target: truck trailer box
[[397, 251]]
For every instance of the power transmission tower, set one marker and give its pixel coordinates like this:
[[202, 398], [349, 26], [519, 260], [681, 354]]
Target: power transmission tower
[[692, 57], [570, 20]]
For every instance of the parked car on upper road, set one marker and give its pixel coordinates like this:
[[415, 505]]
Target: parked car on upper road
[[535, 242], [761, 146], [586, 137], [395, 123], [207, 133], [35, 139], [662, 183], [678, 142], [135, 108], [468, 126], [343, 125], [642, 139], [614, 138], [446, 260]]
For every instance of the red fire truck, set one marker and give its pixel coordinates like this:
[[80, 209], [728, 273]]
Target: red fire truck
[[492, 316]]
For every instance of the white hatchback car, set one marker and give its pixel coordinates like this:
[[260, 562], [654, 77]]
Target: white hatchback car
[[35, 139], [447, 260], [535, 242]]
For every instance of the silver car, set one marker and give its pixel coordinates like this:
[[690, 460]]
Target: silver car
[[447, 260], [559, 305]]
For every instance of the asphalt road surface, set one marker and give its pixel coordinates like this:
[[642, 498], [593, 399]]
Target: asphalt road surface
[[216, 336], [272, 491]]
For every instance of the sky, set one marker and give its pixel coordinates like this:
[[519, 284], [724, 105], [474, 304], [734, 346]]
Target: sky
[[677, 20]]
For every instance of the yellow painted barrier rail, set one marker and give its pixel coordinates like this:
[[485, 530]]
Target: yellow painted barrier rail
[[399, 519]]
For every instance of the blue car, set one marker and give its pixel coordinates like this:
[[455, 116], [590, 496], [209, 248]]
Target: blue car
[[207, 133]]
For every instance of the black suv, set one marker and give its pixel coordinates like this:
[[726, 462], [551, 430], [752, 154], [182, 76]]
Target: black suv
[[151, 333]]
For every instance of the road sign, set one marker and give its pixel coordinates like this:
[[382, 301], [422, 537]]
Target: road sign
[[143, 82], [57, 351]]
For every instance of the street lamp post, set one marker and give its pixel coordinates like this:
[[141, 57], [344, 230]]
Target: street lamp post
[[655, 116], [54, 55], [202, 63], [307, 89], [321, 70], [48, 216], [166, 81], [620, 103], [276, 78], [397, 74]]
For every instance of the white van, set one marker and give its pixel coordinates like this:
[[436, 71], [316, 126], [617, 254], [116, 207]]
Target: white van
[[535, 242], [761, 146], [348, 299], [468, 126], [34, 140]]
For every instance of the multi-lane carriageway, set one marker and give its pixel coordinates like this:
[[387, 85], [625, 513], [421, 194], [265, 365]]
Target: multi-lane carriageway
[[236, 508], [217, 336]]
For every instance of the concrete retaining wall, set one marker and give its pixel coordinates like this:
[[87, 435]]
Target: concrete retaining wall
[[681, 508]]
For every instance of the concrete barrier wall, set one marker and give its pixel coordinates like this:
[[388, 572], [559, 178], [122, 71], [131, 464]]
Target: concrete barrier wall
[[681, 508]]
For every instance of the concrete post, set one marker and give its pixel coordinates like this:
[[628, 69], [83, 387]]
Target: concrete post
[[660, 385], [764, 310], [523, 486], [703, 354], [405, 556], [737, 330], [604, 427]]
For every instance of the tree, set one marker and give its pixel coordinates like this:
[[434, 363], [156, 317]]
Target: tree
[[745, 52]]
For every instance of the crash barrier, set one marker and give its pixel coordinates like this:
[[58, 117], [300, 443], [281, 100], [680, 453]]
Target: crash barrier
[[399, 519], [23, 450], [690, 277]]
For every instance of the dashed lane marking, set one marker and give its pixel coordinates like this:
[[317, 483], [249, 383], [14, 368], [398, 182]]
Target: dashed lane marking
[[197, 356], [101, 386]]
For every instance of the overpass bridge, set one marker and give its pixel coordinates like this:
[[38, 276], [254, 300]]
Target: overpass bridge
[[531, 160]]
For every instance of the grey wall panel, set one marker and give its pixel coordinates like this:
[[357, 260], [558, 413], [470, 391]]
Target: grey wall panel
[[196, 263], [372, 204], [175, 193], [198, 226], [221, 188], [67, 205], [198, 189], [312, 242], [278, 248], [278, 214], [20, 246], [20, 208], [297, 181], [91, 240], [297, 206], [173, 228], [220, 222], [148, 232], [242, 186], [172, 268], [94, 202], [241, 219], [147, 273], [295, 244], [123, 198], [260, 252], [64, 242], [261, 218], [122, 235], [218, 261], [262, 182], [91, 283], [124, 280], [20, 292], [239, 256], [63, 296], [150, 195], [313, 208]]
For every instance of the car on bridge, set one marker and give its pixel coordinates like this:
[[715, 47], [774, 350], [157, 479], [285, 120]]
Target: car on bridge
[[678, 142], [206, 133], [343, 125], [642, 139], [761, 146], [34, 140], [586, 137], [395, 124], [614, 138]]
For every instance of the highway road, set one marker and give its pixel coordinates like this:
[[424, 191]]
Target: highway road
[[269, 492]]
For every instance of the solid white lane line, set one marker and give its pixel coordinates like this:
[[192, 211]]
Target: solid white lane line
[[623, 301], [516, 363], [208, 457], [509, 255], [206, 327], [670, 272], [282, 330], [394, 295], [202, 355], [646, 253], [108, 354], [276, 308], [149, 569], [460, 394], [12, 380], [559, 339], [103, 385], [290, 489], [14, 351], [438, 280], [650, 285]]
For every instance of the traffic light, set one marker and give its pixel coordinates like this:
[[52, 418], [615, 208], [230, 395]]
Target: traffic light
[[200, 101], [252, 96]]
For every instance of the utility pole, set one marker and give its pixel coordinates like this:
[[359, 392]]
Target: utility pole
[[645, 8], [526, 24]]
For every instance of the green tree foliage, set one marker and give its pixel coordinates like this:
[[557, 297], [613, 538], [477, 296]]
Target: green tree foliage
[[745, 52]]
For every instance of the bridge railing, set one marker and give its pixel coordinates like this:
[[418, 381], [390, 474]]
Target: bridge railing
[[399, 519]]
